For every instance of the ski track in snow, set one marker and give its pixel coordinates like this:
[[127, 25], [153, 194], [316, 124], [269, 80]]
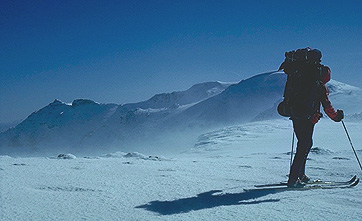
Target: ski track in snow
[[204, 183]]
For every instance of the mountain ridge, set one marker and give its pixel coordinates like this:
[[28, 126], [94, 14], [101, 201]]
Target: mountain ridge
[[85, 124]]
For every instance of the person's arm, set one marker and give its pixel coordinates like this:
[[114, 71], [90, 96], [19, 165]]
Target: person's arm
[[328, 108]]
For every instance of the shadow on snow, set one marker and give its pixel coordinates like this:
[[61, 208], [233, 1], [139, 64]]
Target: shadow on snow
[[208, 200]]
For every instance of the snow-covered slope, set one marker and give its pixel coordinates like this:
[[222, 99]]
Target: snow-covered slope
[[58, 125], [204, 184], [195, 94], [87, 126], [345, 97], [238, 103]]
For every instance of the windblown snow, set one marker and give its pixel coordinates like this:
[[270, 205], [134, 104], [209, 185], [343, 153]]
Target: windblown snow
[[205, 183]]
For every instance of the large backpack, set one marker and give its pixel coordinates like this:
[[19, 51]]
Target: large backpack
[[304, 72]]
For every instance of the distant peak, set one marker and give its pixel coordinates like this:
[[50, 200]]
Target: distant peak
[[56, 102], [209, 84], [82, 102]]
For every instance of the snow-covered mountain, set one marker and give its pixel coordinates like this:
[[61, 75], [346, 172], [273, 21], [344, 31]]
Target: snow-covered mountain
[[195, 94], [240, 102], [345, 97], [86, 125]]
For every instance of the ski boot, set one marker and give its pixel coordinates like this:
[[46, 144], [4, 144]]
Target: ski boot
[[304, 179], [296, 184]]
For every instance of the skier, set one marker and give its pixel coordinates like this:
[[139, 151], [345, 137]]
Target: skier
[[303, 129]]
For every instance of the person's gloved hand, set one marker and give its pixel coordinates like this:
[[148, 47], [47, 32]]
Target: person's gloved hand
[[340, 116]]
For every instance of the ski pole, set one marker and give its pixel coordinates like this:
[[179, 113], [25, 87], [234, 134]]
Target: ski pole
[[291, 153], [354, 151]]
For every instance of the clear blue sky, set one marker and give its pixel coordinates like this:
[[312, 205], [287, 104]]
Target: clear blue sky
[[127, 51]]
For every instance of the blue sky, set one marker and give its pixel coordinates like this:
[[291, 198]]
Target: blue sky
[[127, 51]]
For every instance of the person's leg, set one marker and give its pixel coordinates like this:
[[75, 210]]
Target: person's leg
[[308, 142], [304, 131]]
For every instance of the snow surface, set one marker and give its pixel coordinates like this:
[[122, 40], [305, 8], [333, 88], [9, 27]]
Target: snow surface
[[205, 182]]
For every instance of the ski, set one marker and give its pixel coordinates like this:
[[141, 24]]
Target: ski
[[306, 187], [312, 182]]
